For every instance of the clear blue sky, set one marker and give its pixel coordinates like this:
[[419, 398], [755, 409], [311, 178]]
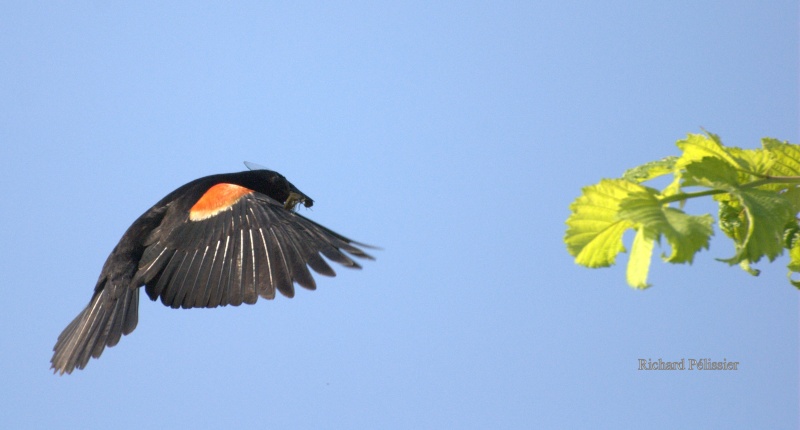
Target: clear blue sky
[[452, 134]]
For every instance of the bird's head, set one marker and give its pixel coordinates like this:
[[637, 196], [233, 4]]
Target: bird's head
[[277, 186]]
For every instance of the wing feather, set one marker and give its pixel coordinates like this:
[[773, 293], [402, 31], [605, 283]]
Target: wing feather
[[220, 281], [297, 261], [283, 280], [235, 265], [184, 278], [250, 269], [267, 287], [192, 285], [205, 277], [165, 286]]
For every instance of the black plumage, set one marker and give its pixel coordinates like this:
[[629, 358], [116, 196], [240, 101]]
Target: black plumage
[[219, 240]]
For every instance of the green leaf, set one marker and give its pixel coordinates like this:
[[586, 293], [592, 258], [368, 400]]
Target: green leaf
[[732, 217], [650, 170], [794, 264], [697, 146], [641, 255], [755, 163], [786, 155], [686, 234], [711, 172], [766, 215], [604, 247], [791, 233], [594, 231], [793, 196], [745, 265], [753, 217]]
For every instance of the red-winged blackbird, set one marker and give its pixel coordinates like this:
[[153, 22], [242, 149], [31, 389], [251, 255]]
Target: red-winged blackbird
[[219, 240]]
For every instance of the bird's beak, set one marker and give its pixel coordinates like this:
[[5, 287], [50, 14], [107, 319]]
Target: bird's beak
[[295, 198]]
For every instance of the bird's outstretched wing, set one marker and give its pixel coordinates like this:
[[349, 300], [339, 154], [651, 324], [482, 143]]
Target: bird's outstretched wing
[[247, 248]]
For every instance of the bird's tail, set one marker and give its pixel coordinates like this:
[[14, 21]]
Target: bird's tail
[[101, 324]]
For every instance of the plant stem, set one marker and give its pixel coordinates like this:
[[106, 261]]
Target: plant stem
[[685, 196], [764, 181]]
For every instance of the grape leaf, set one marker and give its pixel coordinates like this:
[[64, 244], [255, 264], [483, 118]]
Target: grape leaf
[[766, 216], [650, 170], [641, 255], [697, 146], [787, 157], [594, 232], [711, 172], [794, 264], [686, 234], [753, 217]]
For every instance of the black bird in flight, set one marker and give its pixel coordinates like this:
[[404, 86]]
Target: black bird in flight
[[219, 240]]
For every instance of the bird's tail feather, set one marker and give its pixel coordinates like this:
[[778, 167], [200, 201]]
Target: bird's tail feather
[[101, 324]]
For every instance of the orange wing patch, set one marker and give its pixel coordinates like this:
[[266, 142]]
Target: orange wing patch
[[217, 199]]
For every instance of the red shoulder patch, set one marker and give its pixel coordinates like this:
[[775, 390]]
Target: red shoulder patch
[[217, 199]]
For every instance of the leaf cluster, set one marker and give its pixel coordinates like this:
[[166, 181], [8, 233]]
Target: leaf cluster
[[757, 190]]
